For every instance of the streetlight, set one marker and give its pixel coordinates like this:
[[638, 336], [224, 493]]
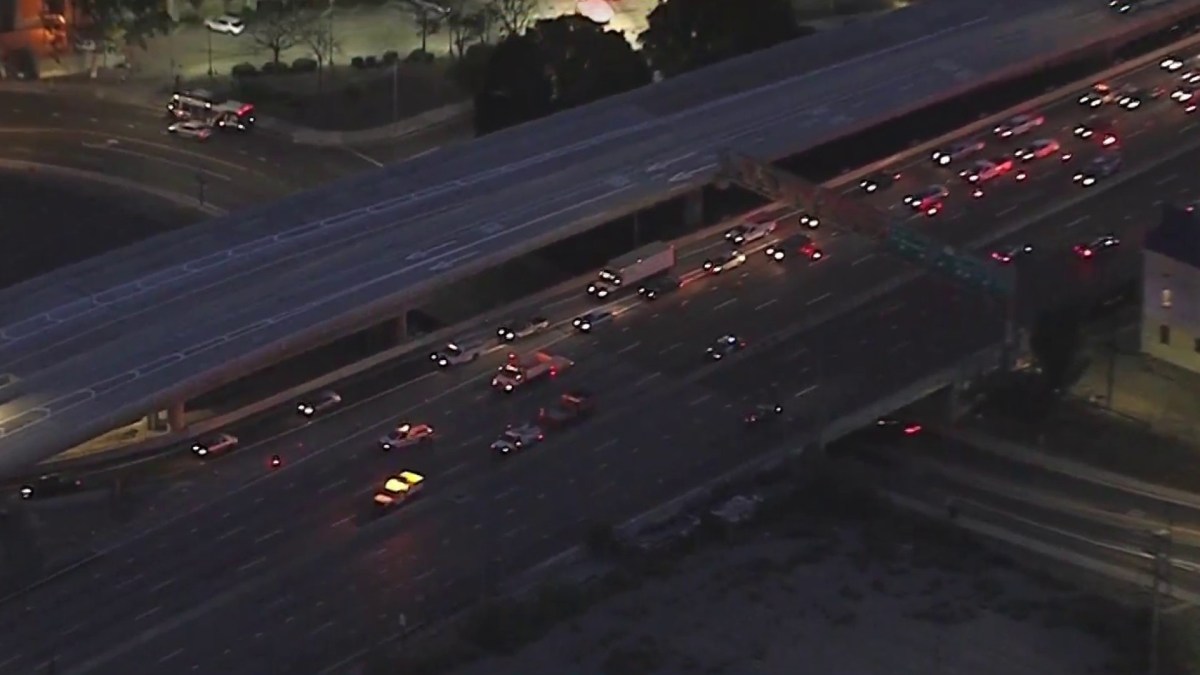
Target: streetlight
[[210, 64]]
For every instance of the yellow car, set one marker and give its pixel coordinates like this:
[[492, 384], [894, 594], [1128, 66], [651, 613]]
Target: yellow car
[[399, 489]]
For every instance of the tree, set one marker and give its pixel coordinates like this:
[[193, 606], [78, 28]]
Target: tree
[[556, 64], [127, 22], [279, 30], [196, 5], [1056, 342], [684, 35], [514, 16], [465, 30], [427, 24], [319, 39]]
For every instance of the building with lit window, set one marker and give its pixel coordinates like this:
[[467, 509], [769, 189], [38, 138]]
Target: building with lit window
[[1171, 289]]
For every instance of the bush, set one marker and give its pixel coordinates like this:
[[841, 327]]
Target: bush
[[304, 65], [371, 62], [390, 57], [358, 62], [244, 70], [272, 68], [419, 56]]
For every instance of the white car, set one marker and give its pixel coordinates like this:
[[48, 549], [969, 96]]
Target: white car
[[216, 444], [319, 403], [725, 262], [227, 24], [518, 438], [747, 232], [1171, 63], [1018, 125], [1043, 147], [191, 129]]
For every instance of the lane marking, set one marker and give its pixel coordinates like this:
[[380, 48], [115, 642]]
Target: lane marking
[[630, 347], [1077, 221], [863, 259], [726, 303], [172, 655], [230, 533], [809, 389], [700, 400], [253, 563], [765, 304], [269, 535], [365, 158], [819, 298]]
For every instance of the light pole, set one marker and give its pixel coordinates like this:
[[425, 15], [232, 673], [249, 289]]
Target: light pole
[[330, 59], [210, 64], [1160, 541], [396, 90]]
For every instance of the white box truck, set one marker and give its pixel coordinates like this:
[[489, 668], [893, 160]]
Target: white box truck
[[626, 271]]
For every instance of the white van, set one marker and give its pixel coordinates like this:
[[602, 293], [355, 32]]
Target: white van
[[457, 352]]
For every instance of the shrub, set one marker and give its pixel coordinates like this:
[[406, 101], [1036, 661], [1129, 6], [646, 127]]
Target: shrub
[[358, 62], [390, 57], [304, 65], [244, 70], [419, 56], [272, 68]]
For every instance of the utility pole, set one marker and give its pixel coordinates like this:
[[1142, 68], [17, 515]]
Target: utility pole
[[211, 72], [1160, 551], [201, 186]]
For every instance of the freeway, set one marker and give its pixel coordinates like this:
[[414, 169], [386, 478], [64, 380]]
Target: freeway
[[94, 361], [638, 363], [477, 507]]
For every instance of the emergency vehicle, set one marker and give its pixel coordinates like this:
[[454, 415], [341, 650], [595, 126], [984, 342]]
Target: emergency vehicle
[[520, 370]]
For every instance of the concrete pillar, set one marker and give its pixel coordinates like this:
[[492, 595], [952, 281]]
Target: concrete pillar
[[693, 208], [176, 419], [400, 328], [957, 402]]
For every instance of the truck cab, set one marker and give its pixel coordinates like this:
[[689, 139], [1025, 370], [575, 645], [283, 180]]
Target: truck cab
[[523, 369]]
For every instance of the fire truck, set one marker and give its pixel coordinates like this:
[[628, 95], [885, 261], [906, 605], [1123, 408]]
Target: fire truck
[[521, 370]]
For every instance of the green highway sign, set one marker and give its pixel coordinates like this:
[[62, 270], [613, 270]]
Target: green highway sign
[[963, 266]]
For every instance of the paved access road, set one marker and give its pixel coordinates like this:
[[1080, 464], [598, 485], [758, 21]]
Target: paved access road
[[129, 141]]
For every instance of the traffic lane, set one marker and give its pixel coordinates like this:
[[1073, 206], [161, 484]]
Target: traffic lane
[[1059, 523], [665, 447], [919, 328], [157, 169], [298, 165], [751, 302], [430, 562], [281, 432], [1133, 200], [954, 453], [1069, 513], [270, 537], [918, 170], [1144, 135], [419, 144]]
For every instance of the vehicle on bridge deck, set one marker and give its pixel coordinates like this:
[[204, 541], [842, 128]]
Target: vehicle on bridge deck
[[214, 445]]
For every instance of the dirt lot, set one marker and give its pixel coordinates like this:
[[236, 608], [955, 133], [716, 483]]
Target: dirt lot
[[889, 596]]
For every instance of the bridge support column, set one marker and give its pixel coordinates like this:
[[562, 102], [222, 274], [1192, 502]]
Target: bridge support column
[[177, 417], [957, 401], [693, 208], [400, 328]]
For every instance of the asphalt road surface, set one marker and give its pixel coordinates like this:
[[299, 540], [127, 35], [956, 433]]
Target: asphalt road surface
[[638, 363], [477, 508]]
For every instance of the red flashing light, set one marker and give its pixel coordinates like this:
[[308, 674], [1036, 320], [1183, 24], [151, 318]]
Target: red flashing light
[[912, 429]]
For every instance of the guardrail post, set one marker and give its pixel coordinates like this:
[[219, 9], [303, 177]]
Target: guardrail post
[[176, 417], [400, 328], [693, 208]]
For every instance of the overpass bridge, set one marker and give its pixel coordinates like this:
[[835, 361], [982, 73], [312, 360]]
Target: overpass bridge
[[99, 344]]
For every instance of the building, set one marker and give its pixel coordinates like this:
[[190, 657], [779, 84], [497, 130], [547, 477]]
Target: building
[[1171, 289]]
